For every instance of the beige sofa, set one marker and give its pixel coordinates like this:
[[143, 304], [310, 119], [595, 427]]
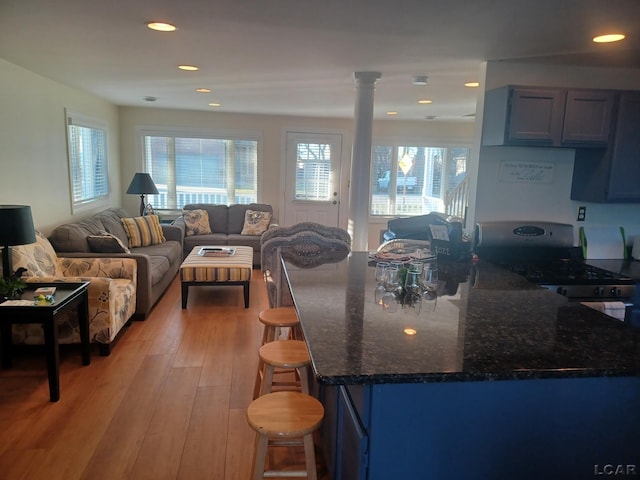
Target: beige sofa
[[226, 224], [157, 263], [112, 292]]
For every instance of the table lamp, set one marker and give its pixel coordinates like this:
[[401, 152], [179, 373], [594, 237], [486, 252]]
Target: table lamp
[[142, 183], [16, 228]]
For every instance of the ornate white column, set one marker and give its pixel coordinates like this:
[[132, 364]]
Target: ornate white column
[[361, 160]]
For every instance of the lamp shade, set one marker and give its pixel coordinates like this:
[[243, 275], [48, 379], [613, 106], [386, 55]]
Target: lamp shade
[[142, 183], [16, 225]]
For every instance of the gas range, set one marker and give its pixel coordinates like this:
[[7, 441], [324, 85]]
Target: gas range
[[574, 278], [543, 252]]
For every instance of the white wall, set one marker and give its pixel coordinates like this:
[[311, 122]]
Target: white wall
[[33, 149], [500, 200]]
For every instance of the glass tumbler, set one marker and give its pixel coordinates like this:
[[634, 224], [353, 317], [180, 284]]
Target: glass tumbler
[[381, 268]]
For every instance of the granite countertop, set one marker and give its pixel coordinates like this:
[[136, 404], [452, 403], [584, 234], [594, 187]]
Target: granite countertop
[[487, 324]]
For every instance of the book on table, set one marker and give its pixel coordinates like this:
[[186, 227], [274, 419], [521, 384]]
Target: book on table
[[46, 291], [216, 252]]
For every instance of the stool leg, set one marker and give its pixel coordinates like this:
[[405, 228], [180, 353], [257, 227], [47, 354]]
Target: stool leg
[[259, 379], [262, 443], [304, 379], [267, 379], [310, 456]]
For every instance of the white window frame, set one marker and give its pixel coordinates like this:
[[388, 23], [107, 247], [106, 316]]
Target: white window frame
[[395, 142], [87, 169], [149, 130]]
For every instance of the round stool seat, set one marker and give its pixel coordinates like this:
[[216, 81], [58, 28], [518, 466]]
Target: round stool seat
[[285, 414], [279, 317], [285, 354], [275, 319], [285, 418]]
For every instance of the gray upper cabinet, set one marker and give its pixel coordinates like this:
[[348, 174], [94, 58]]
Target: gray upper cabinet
[[612, 175], [547, 117]]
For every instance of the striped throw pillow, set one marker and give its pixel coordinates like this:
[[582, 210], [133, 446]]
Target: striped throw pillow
[[143, 231]]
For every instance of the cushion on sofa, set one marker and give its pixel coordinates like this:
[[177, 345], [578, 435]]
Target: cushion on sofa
[[255, 222], [143, 231], [237, 213], [106, 242], [196, 222]]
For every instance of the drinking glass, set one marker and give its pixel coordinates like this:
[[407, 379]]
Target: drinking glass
[[381, 268], [413, 283], [416, 267], [391, 279], [389, 302], [430, 277]]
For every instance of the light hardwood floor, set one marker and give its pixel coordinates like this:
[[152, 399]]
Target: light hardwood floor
[[168, 403]]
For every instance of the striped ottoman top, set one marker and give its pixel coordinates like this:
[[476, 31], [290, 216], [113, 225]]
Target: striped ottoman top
[[232, 268]]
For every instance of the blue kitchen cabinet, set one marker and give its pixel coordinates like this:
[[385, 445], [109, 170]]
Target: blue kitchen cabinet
[[547, 117], [526, 429], [612, 175]]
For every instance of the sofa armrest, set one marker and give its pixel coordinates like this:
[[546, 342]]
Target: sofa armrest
[[109, 267], [174, 232]]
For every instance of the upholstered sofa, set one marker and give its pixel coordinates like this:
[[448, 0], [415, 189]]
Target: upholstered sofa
[[112, 292], [209, 224], [157, 249]]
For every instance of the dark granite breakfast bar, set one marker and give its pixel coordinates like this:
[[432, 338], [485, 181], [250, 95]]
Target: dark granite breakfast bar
[[499, 378]]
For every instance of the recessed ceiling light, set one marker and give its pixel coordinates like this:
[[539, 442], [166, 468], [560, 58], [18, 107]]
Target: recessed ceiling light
[[214, 104], [150, 99], [472, 84], [609, 37], [203, 90], [161, 27], [189, 68], [392, 113], [425, 102], [420, 80]]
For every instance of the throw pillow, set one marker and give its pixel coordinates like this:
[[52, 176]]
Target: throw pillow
[[255, 222], [106, 242], [196, 222], [143, 231]]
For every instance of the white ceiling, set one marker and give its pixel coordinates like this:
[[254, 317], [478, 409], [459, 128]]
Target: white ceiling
[[297, 57]]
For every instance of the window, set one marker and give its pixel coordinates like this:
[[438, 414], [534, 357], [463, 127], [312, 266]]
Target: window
[[201, 168], [415, 179], [313, 172], [88, 165]]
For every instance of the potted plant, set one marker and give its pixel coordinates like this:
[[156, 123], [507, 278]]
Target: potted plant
[[12, 287]]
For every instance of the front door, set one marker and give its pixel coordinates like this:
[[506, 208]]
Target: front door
[[312, 184]]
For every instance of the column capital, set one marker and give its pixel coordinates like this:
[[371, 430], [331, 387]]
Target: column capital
[[366, 77]]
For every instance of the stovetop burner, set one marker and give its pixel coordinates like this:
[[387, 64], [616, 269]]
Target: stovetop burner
[[567, 272]]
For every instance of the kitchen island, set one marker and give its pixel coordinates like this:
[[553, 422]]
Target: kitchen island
[[498, 379]]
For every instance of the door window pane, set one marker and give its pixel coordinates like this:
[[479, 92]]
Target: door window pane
[[313, 173]]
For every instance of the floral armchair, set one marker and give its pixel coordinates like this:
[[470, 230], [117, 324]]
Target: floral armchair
[[112, 292]]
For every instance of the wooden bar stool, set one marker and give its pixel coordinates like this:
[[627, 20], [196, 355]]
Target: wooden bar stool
[[285, 418], [290, 356], [275, 319]]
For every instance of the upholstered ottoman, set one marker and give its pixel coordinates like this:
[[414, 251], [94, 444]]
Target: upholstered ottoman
[[210, 265]]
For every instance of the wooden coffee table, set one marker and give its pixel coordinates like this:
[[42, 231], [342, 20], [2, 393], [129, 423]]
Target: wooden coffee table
[[68, 295], [236, 269]]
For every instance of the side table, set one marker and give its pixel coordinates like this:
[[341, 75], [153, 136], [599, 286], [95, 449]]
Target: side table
[[67, 296]]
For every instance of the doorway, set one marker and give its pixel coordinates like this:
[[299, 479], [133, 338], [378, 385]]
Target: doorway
[[312, 178]]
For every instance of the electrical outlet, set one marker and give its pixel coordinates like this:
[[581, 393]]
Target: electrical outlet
[[582, 213]]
